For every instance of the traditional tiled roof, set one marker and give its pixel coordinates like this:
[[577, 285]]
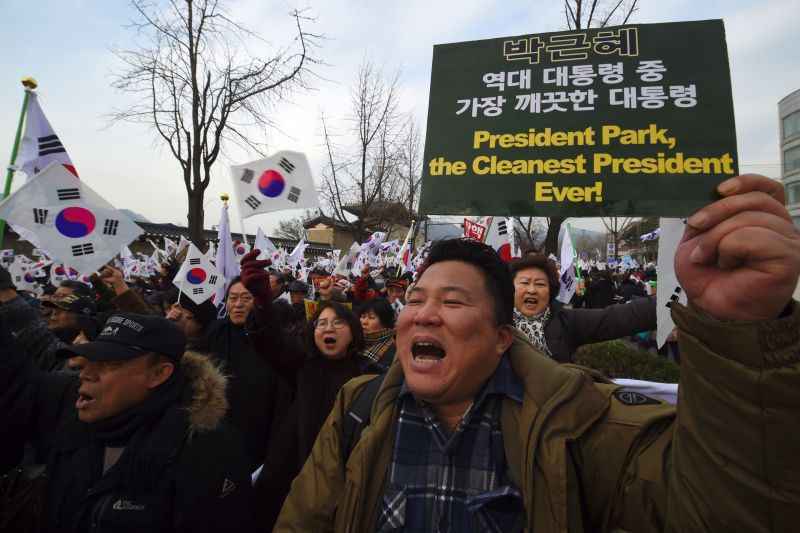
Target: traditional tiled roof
[[174, 231]]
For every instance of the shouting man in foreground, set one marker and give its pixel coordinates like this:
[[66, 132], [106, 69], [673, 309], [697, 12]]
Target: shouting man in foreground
[[472, 429]]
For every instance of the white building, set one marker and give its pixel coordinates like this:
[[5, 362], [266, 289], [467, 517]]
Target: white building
[[789, 113]]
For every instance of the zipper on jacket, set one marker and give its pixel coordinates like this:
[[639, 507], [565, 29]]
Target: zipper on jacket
[[99, 510]]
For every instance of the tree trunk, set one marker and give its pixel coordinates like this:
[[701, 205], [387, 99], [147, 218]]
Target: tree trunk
[[196, 216], [551, 240]]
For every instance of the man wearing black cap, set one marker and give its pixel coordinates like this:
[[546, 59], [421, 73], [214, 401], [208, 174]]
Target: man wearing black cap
[[143, 448], [69, 315]]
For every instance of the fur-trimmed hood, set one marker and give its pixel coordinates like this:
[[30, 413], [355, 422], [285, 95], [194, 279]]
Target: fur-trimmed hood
[[208, 405]]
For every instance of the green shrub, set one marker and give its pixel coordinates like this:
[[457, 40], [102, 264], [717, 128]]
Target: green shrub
[[619, 359]]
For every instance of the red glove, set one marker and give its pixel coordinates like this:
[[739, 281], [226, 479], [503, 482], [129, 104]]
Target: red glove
[[256, 279]]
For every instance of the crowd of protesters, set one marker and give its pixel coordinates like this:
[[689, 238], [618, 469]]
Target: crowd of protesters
[[128, 407], [272, 366]]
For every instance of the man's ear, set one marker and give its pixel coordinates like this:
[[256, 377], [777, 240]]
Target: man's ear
[[160, 373], [505, 336]]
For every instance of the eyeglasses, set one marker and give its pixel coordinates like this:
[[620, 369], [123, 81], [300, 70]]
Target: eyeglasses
[[337, 323]]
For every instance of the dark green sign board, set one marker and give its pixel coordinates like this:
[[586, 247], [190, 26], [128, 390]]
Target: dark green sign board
[[630, 120]]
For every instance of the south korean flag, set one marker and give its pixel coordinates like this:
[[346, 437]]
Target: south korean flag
[[197, 278], [22, 275], [240, 249], [72, 222], [282, 181], [60, 272]]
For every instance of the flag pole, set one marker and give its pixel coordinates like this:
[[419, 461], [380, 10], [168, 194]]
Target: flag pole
[[244, 231], [238, 210], [29, 84], [180, 290]]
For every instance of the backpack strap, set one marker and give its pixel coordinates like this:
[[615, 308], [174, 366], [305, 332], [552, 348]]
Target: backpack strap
[[358, 415]]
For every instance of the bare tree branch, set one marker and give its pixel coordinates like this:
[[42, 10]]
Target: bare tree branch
[[631, 9], [601, 13], [196, 84], [375, 176], [611, 14]]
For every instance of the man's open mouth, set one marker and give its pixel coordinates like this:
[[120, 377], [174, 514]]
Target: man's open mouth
[[83, 400], [329, 341], [427, 350]]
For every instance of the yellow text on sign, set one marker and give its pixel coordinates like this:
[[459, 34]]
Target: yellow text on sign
[[545, 191]]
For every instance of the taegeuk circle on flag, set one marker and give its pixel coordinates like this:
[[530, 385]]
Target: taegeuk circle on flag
[[61, 271], [196, 276], [75, 222], [271, 183]]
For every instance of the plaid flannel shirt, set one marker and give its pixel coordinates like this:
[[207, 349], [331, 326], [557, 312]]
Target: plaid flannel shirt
[[453, 482], [378, 354]]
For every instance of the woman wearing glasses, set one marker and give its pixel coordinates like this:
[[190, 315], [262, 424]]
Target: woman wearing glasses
[[332, 341]]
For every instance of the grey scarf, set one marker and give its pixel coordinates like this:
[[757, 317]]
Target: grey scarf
[[533, 328]]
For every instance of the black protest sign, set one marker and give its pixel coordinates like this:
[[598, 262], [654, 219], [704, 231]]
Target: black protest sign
[[629, 120]]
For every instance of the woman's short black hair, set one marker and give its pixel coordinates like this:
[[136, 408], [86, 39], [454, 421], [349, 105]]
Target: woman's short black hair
[[382, 309], [543, 263], [484, 258], [356, 345]]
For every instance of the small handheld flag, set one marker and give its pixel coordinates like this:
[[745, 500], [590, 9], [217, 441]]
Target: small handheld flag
[[22, 274], [265, 245], [498, 237], [568, 274], [405, 251], [197, 278], [347, 262], [297, 254], [240, 249], [373, 244]]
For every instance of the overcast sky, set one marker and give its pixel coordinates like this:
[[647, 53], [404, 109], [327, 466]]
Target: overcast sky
[[66, 45]]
